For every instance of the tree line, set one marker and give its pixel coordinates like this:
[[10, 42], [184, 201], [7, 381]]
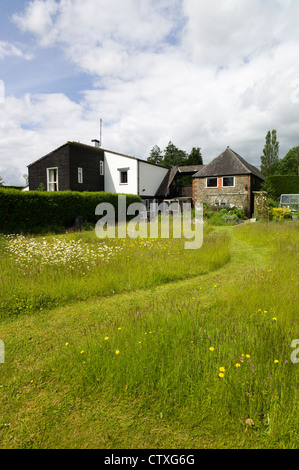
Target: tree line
[[271, 164], [173, 156]]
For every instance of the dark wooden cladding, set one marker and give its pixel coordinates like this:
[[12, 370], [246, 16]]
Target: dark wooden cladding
[[67, 159]]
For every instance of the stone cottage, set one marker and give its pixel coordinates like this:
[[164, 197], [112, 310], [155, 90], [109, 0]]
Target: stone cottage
[[227, 181]]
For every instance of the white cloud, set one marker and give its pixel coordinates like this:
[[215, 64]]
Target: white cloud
[[8, 50]]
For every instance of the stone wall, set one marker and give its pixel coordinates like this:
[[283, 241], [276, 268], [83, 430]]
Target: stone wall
[[238, 196]]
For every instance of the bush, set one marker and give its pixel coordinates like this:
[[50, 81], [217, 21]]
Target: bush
[[224, 216], [281, 184], [277, 213], [38, 211]]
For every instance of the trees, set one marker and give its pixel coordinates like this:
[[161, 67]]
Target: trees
[[289, 165], [1, 181], [195, 157], [173, 156], [270, 159], [155, 155]]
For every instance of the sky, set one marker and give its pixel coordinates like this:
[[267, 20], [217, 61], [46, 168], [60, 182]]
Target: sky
[[198, 73]]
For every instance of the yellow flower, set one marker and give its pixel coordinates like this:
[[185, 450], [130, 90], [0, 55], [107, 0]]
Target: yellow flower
[[119, 328], [222, 369], [66, 344], [211, 348], [276, 361], [117, 352], [106, 338], [265, 311], [248, 356], [221, 375], [238, 365], [274, 319], [81, 352]]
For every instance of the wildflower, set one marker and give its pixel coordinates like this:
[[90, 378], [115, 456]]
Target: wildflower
[[106, 338], [82, 352], [211, 348], [249, 421], [221, 375], [274, 319], [66, 344], [117, 352], [238, 365], [248, 356], [276, 361], [119, 328], [265, 311], [222, 369]]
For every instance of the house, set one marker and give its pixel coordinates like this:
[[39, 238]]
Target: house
[[79, 167], [178, 182], [227, 181]]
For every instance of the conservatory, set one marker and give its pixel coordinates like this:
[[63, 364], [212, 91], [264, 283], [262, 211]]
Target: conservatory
[[290, 201]]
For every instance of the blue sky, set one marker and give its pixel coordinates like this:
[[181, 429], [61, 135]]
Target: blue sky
[[207, 74]]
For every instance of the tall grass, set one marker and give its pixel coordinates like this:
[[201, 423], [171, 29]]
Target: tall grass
[[41, 272], [228, 362]]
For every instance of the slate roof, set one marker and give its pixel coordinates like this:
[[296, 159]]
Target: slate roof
[[228, 163], [171, 174]]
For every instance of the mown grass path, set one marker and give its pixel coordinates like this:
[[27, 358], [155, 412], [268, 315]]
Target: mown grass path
[[42, 409]]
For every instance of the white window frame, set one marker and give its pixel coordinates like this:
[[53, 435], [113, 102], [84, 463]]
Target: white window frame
[[80, 175], [231, 186], [211, 187], [52, 182], [101, 168], [126, 171]]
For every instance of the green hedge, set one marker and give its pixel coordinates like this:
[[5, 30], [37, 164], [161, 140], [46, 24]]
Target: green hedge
[[283, 184], [37, 211]]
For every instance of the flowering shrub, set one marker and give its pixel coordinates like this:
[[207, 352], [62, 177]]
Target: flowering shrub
[[278, 213]]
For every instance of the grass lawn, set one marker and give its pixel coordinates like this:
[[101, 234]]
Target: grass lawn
[[141, 344]]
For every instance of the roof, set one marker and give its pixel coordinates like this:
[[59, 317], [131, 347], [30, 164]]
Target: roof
[[228, 163], [171, 174], [97, 149]]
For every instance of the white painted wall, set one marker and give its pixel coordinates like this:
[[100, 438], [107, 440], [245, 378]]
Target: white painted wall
[[143, 178], [150, 178], [112, 163]]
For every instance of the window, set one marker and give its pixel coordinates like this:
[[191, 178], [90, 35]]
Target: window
[[123, 177], [228, 181], [52, 179], [101, 168], [80, 175], [212, 182]]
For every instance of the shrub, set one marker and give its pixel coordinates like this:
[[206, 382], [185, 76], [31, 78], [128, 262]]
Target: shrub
[[277, 213], [281, 184]]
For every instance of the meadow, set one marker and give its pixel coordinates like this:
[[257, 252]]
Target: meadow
[[139, 343]]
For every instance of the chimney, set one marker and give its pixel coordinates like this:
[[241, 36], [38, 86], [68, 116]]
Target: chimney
[[96, 143]]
